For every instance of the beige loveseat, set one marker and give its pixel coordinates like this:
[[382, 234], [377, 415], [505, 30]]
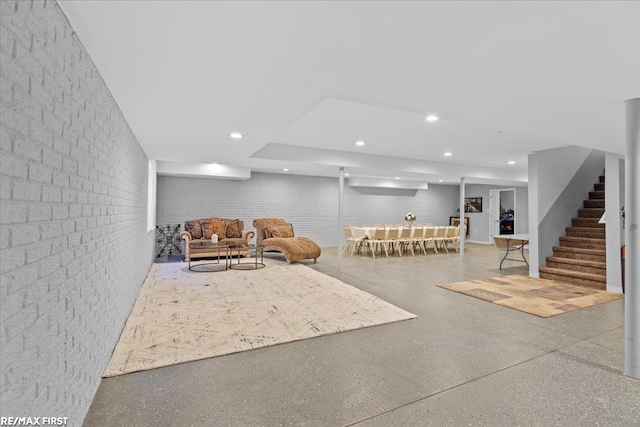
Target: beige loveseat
[[200, 230], [270, 237]]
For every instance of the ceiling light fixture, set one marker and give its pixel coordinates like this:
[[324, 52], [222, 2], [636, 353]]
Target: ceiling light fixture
[[432, 118], [285, 169], [440, 180], [360, 143], [346, 174], [397, 177], [511, 162], [448, 154], [235, 135]]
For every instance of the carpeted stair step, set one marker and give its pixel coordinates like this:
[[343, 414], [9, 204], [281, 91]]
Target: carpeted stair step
[[599, 268], [598, 203], [586, 222], [583, 242], [590, 233], [601, 178], [598, 255], [596, 195], [587, 280], [599, 186], [590, 213]]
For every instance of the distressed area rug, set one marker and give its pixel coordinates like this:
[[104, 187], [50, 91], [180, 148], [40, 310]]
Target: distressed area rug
[[181, 316], [541, 297]]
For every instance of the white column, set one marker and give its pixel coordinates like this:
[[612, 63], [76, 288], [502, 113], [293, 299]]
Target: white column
[[632, 240], [613, 221], [462, 228], [340, 211], [534, 217]]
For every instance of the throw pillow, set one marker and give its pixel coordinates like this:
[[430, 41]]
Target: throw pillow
[[233, 229], [267, 232], [284, 230], [194, 228], [206, 229], [219, 227]]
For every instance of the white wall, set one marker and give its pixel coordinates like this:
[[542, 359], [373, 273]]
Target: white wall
[[309, 203], [614, 187], [74, 248], [559, 180], [480, 223]]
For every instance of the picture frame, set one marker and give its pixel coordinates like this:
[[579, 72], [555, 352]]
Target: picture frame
[[473, 205]]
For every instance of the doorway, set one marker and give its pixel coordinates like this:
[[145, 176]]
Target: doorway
[[503, 215]]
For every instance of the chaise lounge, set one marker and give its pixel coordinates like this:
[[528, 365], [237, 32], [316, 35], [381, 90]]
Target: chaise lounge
[[275, 234]]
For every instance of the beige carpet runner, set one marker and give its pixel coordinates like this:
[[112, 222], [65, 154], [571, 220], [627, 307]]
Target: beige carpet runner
[[542, 297], [182, 316]]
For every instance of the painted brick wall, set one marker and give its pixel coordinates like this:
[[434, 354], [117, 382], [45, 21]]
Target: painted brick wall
[[74, 248], [309, 203]]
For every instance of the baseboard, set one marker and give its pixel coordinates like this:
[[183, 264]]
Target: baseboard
[[477, 242]]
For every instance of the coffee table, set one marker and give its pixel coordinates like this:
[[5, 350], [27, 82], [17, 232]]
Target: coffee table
[[222, 248], [251, 264]]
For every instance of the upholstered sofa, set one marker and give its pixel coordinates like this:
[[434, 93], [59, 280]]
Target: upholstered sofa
[[201, 229], [275, 234]]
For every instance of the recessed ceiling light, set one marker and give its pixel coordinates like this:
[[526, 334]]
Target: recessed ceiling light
[[432, 118], [511, 162], [346, 174], [360, 143], [440, 180], [235, 135], [448, 154], [285, 169], [397, 177]]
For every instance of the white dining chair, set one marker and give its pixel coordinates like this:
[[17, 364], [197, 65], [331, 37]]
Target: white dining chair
[[404, 241], [351, 240], [393, 234], [417, 239], [441, 236], [429, 236], [378, 240]]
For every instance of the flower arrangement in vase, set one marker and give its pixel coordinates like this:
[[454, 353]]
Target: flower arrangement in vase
[[410, 218]]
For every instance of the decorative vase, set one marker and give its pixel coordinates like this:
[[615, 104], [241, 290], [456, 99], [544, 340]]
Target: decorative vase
[[214, 238]]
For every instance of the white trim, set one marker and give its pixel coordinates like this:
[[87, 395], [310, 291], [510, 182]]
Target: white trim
[[151, 196], [478, 242]]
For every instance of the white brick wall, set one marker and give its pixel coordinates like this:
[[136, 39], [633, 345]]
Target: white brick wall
[[309, 203], [73, 243]]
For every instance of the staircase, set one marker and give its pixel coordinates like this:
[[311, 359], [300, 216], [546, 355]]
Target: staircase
[[581, 257]]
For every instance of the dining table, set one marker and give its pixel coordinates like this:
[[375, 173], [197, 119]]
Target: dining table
[[360, 233], [367, 232]]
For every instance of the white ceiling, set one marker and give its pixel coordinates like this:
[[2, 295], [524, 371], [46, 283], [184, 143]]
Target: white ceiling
[[505, 78]]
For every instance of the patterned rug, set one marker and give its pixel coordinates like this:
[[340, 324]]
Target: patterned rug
[[541, 297], [181, 316]]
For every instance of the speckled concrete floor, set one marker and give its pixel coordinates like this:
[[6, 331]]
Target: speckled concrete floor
[[463, 361]]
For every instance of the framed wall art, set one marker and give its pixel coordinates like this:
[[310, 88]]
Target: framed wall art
[[473, 204]]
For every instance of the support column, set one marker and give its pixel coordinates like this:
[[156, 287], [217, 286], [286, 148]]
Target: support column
[[463, 231], [632, 240], [613, 223], [340, 214]]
